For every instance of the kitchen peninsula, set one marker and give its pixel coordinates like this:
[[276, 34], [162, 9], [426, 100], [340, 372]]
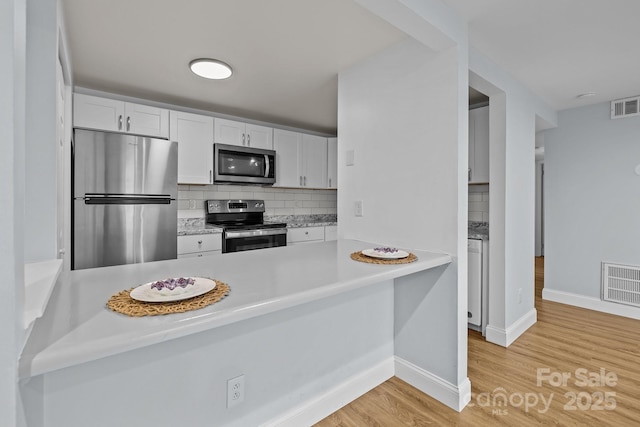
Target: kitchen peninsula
[[300, 323]]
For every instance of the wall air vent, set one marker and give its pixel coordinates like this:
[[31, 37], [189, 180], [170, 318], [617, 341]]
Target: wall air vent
[[625, 107], [621, 283]]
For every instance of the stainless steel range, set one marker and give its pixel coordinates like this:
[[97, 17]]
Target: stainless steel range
[[243, 225]]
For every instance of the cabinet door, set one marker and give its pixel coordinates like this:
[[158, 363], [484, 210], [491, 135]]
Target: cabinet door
[[332, 163], [314, 161], [259, 136], [145, 120], [287, 145], [92, 112], [194, 134], [305, 235], [480, 165], [229, 132]]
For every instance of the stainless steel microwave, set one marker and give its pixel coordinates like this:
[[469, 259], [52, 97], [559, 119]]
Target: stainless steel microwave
[[243, 165]]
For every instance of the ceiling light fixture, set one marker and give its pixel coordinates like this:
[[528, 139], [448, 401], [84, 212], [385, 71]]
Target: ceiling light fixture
[[586, 95], [211, 68]]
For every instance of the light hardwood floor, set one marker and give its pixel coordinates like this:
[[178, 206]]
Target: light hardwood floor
[[598, 354]]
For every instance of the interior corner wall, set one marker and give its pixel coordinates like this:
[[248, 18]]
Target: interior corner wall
[[12, 127], [398, 114], [591, 198], [40, 145]]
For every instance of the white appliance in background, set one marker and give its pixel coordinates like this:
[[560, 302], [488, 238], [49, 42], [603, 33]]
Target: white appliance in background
[[478, 295]]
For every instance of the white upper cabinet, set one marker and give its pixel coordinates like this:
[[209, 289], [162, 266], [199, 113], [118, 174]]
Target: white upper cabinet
[[301, 160], [332, 162], [194, 134], [314, 161], [93, 112], [287, 145], [479, 145], [244, 134]]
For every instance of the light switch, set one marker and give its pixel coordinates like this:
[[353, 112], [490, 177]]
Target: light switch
[[357, 208], [351, 155]]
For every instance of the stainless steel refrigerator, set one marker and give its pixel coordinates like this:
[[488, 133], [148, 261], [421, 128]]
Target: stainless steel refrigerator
[[125, 190]]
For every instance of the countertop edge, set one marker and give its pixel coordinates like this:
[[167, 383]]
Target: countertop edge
[[42, 363]]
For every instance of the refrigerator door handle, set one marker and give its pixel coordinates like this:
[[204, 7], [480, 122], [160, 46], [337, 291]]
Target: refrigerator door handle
[[123, 199]]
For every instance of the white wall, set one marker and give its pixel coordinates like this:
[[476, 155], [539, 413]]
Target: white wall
[[591, 198], [12, 128], [513, 114], [399, 113], [40, 168]]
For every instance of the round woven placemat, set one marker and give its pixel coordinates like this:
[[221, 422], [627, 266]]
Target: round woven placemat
[[123, 303], [359, 256]]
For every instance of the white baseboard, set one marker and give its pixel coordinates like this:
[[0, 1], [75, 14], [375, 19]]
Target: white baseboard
[[505, 337], [314, 410], [455, 397], [591, 303]]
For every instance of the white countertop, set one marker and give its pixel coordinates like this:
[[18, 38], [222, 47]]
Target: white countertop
[[77, 327]]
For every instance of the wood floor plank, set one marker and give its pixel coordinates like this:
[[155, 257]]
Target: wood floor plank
[[566, 340]]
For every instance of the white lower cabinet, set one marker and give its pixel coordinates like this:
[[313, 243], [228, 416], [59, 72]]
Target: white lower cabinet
[[305, 235], [330, 233], [198, 245]]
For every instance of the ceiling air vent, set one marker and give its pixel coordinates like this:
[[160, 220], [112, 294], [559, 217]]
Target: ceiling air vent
[[625, 107]]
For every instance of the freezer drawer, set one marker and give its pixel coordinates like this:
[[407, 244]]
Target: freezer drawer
[[112, 163], [114, 234]]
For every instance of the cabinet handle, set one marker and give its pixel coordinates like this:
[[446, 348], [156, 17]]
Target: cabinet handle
[[249, 140], [128, 124], [469, 174], [329, 182], [243, 139], [120, 122], [210, 176], [199, 242], [300, 180], [305, 181]]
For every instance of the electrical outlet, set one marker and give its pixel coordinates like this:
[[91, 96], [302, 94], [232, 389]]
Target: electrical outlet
[[235, 391], [192, 204], [358, 209]]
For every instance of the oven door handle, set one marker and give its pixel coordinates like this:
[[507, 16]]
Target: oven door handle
[[254, 233]]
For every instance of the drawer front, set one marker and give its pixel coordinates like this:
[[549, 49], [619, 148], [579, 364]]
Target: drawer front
[[199, 243], [306, 234], [198, 254]]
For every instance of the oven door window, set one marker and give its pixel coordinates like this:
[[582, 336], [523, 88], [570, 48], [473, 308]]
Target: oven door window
[[234, 163], [254, 242]]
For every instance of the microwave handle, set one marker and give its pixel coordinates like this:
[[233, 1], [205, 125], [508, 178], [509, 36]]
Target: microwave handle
[[268, 163]]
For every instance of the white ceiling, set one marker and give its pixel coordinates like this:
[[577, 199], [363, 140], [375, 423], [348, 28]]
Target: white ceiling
[[560, 48], [287, 53]]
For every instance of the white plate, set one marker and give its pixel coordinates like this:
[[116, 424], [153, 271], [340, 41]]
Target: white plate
[[385, 255], [147, 294]]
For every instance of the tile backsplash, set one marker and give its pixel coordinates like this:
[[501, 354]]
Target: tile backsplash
[[478, 203], [278, 201]]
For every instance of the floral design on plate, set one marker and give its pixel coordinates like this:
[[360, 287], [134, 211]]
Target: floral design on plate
[[385, 252]]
